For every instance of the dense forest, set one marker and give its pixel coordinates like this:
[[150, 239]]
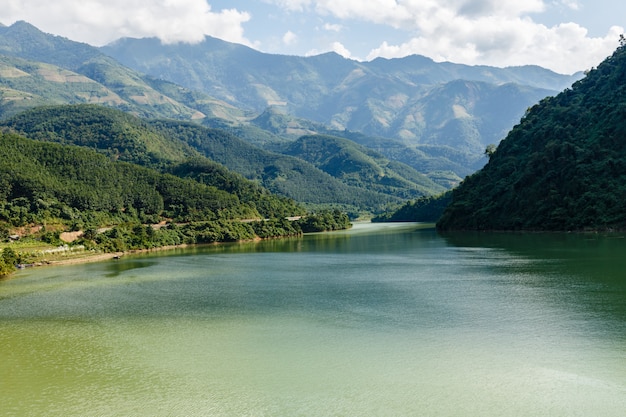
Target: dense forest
[[281, 174], [123, 137], [43, 181], [563, 167]]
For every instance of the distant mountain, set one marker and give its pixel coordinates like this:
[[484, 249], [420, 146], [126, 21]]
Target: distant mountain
[[37, 68], [563, 167], [412, 100], [282, 174], [436, 118], [40, 69]]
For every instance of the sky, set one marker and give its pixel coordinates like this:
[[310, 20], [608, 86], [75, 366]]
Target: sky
[[565, 36]]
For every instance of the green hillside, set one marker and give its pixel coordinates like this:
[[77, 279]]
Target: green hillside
[[120, 135], [361, 167], [123, 137], [282, 174], [425, 209], [46, 181], [168, 145], [563, 167], [112, 206]]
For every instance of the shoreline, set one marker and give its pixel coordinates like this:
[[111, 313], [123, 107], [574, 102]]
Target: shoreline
[[87, 257]]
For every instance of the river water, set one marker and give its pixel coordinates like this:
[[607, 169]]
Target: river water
[[380, 320]]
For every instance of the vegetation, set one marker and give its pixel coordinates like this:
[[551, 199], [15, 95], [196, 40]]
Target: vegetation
[[49, 182], [281, 174], [425, 209], [118, 135], [8, 261], [182, 148], [123, 137], [117, 206], [563, 167], [361, 167]]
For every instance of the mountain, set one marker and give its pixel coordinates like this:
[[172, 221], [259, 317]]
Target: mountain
[[563, 167], [359, 166], [75, 73], [121, 136], [41, 69], [414, 100], [435, 117], [282, 174], [179, 146], [48, 182], [126, 138]]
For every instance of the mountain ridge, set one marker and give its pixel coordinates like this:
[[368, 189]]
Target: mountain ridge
[[385, 97]]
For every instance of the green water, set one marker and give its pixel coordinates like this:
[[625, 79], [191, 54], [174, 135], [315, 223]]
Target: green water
[[381, 320]]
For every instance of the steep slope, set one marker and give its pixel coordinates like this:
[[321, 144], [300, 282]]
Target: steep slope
[[47, 181], [120, 135], [563, 167], [161, 143]]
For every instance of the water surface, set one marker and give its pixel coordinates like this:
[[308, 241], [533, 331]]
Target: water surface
[[381, 320]]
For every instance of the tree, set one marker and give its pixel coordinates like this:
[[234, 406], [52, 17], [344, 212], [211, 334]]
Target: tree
[[8, 261]]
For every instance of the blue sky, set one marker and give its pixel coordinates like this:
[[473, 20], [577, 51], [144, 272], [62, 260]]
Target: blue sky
[[563, 35]]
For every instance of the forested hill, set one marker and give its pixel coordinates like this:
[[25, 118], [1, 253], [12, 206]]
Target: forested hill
[[563, 167], [47, 182], [123, 137], [160, 143]]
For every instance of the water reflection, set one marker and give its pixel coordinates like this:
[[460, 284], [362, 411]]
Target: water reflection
[[117, 268], [580, 272]]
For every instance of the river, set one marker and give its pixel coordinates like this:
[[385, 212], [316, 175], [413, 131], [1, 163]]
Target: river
[[379, 320]]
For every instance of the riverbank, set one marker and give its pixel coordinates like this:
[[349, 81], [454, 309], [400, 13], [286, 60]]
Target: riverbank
[[76, 258], [59, 247]]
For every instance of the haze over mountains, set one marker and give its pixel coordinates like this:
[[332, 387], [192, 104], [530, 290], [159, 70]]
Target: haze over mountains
[[433, 119]]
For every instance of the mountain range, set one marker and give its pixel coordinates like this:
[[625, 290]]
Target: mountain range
[[424, 125], [414, 100]]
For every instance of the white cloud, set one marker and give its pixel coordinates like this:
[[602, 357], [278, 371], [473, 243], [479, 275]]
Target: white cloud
[[570, 4], [336, 47], [100, 21], [565, 48], [291, 5], [492, 32], [332, 27], [289, 38], [341, 50]]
